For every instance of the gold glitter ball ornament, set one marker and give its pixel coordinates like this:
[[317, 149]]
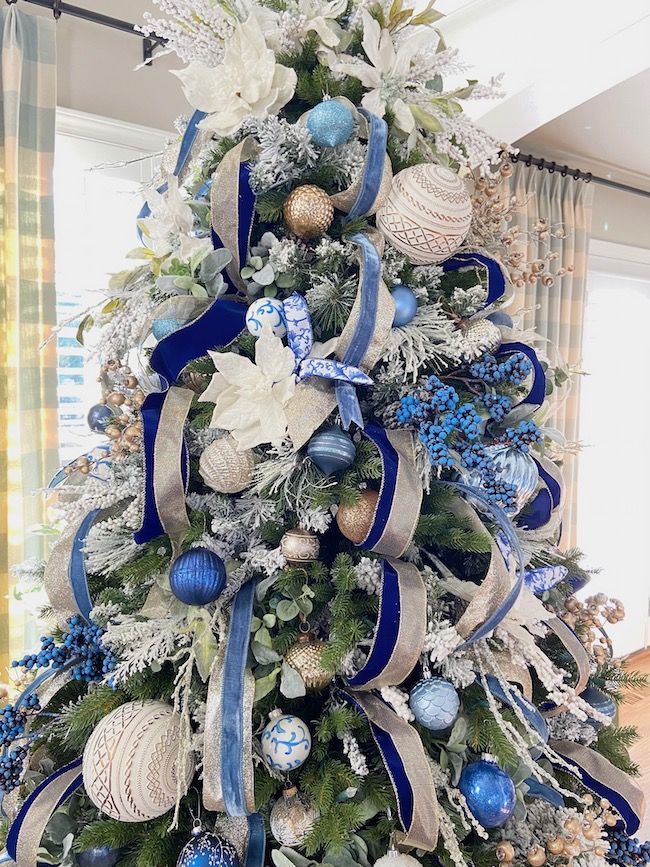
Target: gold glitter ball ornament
[[299, 546], [308, 211], [292, 818], [355, 521], [306, 657], [224, 468]]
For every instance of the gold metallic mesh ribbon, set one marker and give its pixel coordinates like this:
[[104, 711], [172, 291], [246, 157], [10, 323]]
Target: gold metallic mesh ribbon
[[314, 399], [168, 485], [212, 790], [422, 831]]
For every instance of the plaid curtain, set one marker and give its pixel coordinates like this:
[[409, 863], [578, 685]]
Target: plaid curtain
[[560, 308], [28, 379]]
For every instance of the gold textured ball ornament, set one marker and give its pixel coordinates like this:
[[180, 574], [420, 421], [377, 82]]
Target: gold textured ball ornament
[[479, 337], [308, 211], [300, 546], [130, 762], [428, 213], [306, 657], [226, 469], [505, 852], [292, 818], [355, 521]]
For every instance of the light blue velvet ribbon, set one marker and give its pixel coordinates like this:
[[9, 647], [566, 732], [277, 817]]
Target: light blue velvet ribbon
[[373, 169], [256, 846], [494, 276], [300, 338], [541, 790], [514, 697]]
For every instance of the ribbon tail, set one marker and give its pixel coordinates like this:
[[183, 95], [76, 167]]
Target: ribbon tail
[[540, 790], [256, 847], [348, 403], [65, 579]]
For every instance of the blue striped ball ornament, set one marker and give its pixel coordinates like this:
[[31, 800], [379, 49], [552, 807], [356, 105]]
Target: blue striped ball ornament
[[435, 703], [331, 450], [208, 850], [197, 577], [489, 792]]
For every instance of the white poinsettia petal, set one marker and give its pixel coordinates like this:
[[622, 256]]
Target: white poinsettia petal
[[374, 103], [201, 86], [371, 38], [419, 39], [275, 360], [214, 390], [236, 369], [284, 391]]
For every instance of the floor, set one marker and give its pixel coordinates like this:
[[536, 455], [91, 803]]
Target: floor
[[636, 711]]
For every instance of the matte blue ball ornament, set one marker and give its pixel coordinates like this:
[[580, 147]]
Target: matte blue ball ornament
[[208, 850], [600, 702], [161, 328], [197, 577], [99, 417], [332, 450], [489, 792], [286, 742], [100, 856], [330, 123], [406, 305], [501, 318], [435, 703], [266, 315]]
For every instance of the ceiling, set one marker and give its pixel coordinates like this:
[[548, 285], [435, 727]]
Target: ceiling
[[610, 133]]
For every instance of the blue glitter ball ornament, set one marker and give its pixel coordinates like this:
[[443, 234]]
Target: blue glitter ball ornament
[[600, 702], [100, 856], [161, 328], [208, 850], [197, 577], [489, 792], [435, 703], [330, 123], [332, 450], [406, 305], [99, 417]]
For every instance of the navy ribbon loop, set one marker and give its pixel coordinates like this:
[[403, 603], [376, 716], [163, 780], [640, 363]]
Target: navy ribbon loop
[[77, 566], [496, 281], [540, 509], [537, 393]]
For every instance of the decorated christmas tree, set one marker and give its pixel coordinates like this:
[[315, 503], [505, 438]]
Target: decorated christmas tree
[[308, 604]]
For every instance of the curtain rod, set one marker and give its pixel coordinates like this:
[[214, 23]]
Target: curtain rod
[[577, 174], [149, 43]]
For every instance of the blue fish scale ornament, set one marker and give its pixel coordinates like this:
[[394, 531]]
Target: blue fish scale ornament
[[435, 703]]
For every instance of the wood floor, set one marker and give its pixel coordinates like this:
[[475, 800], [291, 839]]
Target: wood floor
[[636, 711]]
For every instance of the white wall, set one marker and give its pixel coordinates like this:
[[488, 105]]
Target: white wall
[[96, 68]]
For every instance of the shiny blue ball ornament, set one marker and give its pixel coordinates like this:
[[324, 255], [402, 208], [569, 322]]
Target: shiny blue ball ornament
[[161, 328], [330, 123], [501, 318], [100, 856], [435, 703], [208, 850], [332, 450], [489, 792], [406, 305], [197, 577], [600, 702], [99, 417]]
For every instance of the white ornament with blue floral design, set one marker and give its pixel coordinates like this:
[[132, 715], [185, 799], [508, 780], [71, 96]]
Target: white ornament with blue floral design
[[286, 742], [266, 314]]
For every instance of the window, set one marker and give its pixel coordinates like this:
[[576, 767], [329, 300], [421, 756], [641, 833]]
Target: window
[[614, 475], [99, 175]]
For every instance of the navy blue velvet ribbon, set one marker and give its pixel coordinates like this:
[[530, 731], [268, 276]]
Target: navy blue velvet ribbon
[[537, 393], [77, 566], [388, 623], [496, 281], [232, 703], [540, 790], [256, 847], [189, 137], [390, 466], [538, 512]]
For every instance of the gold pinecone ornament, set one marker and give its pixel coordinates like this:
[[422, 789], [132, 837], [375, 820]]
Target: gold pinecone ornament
[[306, 657]]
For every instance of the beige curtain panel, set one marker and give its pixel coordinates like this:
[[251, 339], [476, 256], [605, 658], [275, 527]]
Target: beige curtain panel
[[28, 377], [559, 313]]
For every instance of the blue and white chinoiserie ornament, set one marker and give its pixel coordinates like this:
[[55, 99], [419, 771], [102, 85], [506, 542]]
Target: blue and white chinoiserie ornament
[[435, 703], [330, 123], [406, 305], [207, 850], [489, 792], [99, 417], [100, 856], [266, 315], [600, 702], [161, 328], [332, 450], [286, 742], [197, 577]]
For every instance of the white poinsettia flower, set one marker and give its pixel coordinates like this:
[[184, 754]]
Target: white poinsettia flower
[[168, 229], [387, 74], [320, 17], [247, 82], [250, 398]]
